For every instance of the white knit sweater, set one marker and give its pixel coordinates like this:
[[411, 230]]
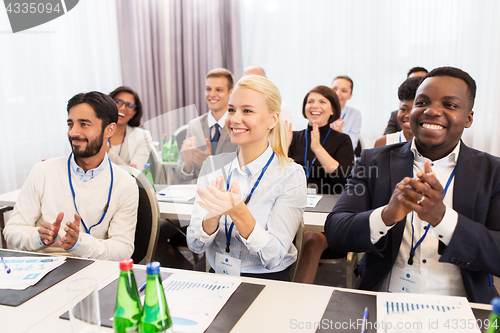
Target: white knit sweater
[[46, 193]]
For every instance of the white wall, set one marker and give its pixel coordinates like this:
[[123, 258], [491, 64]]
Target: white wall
[[302, 44], [40, 70]]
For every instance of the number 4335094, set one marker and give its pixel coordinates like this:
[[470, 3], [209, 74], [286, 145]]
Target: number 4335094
[[470, 324], [32, 8]]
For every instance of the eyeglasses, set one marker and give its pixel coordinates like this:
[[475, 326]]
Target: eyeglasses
[[129, 106]]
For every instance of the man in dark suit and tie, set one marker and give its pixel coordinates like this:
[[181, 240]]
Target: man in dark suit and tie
[[207, 135], [426, 212]]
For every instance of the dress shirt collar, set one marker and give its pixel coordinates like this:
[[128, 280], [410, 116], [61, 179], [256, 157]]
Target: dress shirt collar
[[255, 166], [211, 120], [344, 111], [92, 173], [451, 157]]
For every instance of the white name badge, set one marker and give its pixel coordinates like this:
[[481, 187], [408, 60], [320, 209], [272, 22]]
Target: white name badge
[[225, 264], [405, 280]]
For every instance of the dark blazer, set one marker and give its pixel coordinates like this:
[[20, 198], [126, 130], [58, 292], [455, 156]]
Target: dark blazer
[[392, 124], [198, 127], [475, 244]]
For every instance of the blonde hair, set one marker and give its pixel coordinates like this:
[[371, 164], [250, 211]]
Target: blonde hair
[[278, 136], [222, 72]]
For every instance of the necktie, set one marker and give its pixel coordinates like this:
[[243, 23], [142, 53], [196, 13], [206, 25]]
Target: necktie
[[215, 139]]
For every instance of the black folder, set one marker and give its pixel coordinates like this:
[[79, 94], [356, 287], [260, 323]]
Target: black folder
[[345, 309], [12, 297]]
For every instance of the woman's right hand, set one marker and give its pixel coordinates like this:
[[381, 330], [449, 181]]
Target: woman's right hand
[[315, 144], [210, 221]]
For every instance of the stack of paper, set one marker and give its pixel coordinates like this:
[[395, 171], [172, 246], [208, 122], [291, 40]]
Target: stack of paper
[[404, 312], [27, 271], [312, 200], [195, 300]]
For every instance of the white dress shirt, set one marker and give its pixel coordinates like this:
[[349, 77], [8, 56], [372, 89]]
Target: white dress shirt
[[277, 206], [211, 122], [437, 277], [352, 124]]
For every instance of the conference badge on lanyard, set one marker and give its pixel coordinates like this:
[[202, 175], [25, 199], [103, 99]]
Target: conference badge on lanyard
[[225, 264]]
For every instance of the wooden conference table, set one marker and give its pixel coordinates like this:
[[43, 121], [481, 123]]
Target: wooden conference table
[[314, 218]]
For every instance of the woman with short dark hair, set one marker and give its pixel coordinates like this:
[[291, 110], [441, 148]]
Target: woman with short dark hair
[[327, 158]]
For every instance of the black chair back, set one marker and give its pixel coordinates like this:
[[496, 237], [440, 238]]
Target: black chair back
[[143, 227]]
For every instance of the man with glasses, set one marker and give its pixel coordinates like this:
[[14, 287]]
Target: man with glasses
[[81, 204]]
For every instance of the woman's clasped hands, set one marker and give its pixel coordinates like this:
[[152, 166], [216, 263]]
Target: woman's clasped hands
[[216, 200]]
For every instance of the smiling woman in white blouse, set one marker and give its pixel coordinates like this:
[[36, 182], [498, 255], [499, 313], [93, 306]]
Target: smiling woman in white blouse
[[249, 204], [130, 143]]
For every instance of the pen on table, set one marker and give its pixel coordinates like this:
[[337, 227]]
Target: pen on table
[[7, 269], [365, 319], [142, 287]]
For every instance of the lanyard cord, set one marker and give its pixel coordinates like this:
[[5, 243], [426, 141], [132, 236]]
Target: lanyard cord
[[87, 230], [121, 145], [308, 171], [247, 200], [412, 249]]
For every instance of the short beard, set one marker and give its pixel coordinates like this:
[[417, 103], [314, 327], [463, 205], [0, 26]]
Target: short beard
[[92, 149]]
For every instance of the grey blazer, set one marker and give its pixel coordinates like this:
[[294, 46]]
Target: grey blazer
[[198, 127]]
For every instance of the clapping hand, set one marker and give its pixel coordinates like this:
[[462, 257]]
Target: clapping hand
[[315, 144], [216, 200], [337, 125], [200, 156], [48, 231], [424, 195], [72, 233]]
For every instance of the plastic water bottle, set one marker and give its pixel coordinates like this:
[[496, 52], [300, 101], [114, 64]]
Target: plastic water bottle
[[128, 309], [155, 317], [495, 316], [174, 149], [148, 174], [165, 149]]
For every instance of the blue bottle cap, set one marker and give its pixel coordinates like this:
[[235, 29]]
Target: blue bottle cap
[[496, 305], [153, 268], [173, 135], [147, 165]]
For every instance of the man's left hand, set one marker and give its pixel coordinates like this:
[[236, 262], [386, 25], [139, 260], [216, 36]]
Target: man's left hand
[[426, 194], [200, 156], [72, 233]]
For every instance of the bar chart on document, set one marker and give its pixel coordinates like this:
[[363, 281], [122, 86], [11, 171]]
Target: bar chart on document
[[433, 313], [195, 301]]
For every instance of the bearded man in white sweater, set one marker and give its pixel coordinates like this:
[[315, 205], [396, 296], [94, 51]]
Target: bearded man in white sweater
[[81, 204]]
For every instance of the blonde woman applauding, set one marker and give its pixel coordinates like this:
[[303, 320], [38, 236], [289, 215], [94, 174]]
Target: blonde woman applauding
[[249, 204]]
